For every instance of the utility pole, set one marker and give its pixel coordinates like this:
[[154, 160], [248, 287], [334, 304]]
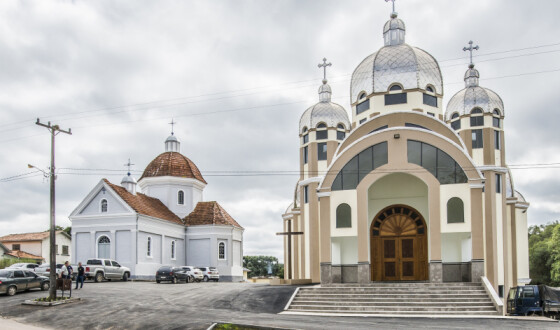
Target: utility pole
[[54, 130]]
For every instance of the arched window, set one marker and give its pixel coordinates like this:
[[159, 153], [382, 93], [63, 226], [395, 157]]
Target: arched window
[[323, 134], [180, 197], [455, 210], [362, 95], [304, 129], [103, 205], [222, 251], [322, 125], [343, 216], [455, 124], [436, 161], [430, 89], [340, 126], [104, 247], [476, 117], [395, 88], [149, 247], [173, 250], [496, 118]]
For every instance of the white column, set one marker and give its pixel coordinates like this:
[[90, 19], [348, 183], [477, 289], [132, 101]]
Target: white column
[[113, 245], [93, 244], [162, 247], [73, 251]]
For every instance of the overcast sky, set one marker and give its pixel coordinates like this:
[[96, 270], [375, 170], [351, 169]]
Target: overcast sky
[[236, 76]]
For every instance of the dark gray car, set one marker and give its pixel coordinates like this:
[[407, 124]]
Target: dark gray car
[[14, 280]]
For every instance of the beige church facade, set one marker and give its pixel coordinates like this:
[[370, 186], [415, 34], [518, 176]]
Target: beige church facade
[[405, 189]]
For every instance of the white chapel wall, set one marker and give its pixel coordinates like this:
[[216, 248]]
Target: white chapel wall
[[521, 233], [462, 191], [113, 204]]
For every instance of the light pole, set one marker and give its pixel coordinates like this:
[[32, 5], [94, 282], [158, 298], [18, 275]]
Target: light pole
[[54, 130]]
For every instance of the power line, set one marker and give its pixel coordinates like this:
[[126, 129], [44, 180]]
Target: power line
[[152, 103]]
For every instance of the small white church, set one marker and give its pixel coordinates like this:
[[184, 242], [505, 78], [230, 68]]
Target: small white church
[[161, 220]]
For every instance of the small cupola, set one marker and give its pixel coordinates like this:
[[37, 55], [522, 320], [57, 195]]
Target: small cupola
[[128, 182], [325, 92], [171, 143], [394, 31]]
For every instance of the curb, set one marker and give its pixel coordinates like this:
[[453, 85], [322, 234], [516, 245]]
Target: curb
[[51, 303]]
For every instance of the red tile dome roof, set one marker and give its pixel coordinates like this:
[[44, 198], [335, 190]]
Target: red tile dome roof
[[172, 164]]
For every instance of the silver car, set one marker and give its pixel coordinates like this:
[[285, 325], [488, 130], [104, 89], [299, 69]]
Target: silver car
[[45, 269], [210, 274], [23, 266], [193, 272]]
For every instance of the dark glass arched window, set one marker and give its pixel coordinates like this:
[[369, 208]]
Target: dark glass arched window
[[343, 216], [476, 117], [436, 161], [358, 167], [455, 124], [322, 125], [430, 89], [395, 88], [180, 197], [455, 210], [103, 205]]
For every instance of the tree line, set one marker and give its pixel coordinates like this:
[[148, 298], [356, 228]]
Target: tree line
[[263, 266], [544, 254]]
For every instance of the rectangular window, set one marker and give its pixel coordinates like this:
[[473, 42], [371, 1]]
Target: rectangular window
[[456, 124], [340, 135], [497, 140], [322, 151], [222, 251], [322, 135], [498, 184], [431, 114], [306, 194], [496, 122], [65, 250], [305, 138], [56, 248], [379, 129], [305, 155], [477, 121], [15, 247], [363, 120], [350, 174], [477, 142], [430, 100], [399, 98], [415, 125], [361, 107]]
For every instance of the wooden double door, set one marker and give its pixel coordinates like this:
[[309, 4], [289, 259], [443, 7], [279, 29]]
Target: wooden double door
[[399, 245]]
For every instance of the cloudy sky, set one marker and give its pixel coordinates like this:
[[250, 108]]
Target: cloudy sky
[[236, 76]]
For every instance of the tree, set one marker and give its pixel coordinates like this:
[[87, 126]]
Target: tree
[[261, 265], [544, 254]]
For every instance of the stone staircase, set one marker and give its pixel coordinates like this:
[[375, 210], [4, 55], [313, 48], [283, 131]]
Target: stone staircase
[[408, 298]]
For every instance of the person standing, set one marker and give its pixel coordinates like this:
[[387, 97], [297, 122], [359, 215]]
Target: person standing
[[81, 276], [64, 270]]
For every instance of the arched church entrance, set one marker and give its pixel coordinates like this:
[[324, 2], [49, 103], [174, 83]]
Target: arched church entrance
[[399, 245]]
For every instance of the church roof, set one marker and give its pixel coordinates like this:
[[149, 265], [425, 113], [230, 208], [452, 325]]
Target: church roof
[[145, 205], [26, 237], [172, 164], [210, 213]]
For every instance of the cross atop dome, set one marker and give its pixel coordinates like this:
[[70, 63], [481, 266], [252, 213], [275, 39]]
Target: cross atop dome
[[129, 164], [393, 13], [324, 65], [470, 49], [172, 123]]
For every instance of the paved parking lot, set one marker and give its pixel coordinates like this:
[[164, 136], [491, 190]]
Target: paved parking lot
[[147, 305]]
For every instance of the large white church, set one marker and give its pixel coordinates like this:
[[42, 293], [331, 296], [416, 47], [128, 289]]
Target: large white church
[[406, 189], [161, 220]]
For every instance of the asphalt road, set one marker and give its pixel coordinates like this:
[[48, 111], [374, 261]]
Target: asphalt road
[[147, 305]]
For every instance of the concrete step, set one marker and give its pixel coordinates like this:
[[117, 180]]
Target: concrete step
[[407, 313], [393, 300], [403, 284], [395, 292], [389, 309], [393, 296], [393, 304]]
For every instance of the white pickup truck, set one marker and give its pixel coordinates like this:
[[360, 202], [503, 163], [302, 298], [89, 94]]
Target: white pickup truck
[[104, 269]]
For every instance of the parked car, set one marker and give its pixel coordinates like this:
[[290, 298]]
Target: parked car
[[534, 299], [14, 280], [210, 274], [24, 266], [195, 273], [101, 269], [45, 269], [172, 274]]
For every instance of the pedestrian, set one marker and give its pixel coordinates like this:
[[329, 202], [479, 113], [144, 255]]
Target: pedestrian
[[65, 271], [81, 276]]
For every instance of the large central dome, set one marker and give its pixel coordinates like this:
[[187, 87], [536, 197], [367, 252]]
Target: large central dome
[[397, 62], [172, 163]]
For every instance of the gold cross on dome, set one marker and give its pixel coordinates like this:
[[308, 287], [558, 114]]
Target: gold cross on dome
[[324, 65], [470, 49], [129, 164], [172, 123]]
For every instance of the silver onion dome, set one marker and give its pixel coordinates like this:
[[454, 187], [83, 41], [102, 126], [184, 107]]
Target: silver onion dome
[[128, 179], [473, 96], [396, 62], [325, 111]]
